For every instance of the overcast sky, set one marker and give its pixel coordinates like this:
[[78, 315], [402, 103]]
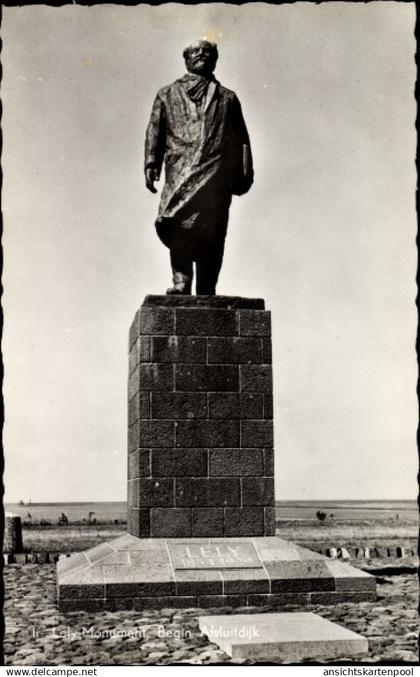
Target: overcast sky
[[326, 235]]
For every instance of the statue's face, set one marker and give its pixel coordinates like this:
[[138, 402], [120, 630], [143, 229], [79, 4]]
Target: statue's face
[[201, 57]]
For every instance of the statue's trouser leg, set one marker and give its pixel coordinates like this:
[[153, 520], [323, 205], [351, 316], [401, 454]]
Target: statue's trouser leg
[[182, 271], [208, 268]]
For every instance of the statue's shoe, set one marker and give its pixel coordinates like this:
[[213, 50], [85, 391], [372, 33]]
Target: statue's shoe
[[176, 290]]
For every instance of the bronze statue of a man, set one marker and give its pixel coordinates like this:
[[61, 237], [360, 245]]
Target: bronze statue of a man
[[197, 128]]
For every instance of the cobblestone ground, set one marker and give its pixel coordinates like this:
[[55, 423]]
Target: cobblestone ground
[[36, 634]]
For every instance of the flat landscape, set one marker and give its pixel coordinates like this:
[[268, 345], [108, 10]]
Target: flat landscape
[[108, 511], [346, 524]]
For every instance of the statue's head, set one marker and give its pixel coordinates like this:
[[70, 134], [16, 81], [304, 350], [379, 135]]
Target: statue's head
[[201, 57]]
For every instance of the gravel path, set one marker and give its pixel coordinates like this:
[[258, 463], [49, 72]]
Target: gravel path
[[36, 634]]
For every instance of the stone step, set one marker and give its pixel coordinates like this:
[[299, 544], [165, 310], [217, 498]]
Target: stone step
[[282, 637]]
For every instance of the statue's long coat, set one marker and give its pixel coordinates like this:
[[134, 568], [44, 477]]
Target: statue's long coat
[[206, 150]]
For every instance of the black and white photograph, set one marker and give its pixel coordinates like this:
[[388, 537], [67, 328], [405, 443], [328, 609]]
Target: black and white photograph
[[209, 301]]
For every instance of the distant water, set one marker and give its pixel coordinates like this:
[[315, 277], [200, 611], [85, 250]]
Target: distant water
[[103, 512], [406, 511]]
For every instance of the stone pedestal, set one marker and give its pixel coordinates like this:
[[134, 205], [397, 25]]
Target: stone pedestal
[[200, 418], [201, 516]]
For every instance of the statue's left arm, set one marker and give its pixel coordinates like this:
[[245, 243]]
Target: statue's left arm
[[245, 178]]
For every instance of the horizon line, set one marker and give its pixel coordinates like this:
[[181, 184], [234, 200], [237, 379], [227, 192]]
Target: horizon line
[[279, 500]]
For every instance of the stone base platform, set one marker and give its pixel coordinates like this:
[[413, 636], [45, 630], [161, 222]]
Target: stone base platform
[[134, 573]]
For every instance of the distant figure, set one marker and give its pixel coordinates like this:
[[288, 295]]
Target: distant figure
[[321, 516], [63, 520], [197, 128]]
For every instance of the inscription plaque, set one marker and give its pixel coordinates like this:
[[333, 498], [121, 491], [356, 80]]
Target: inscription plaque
[[214, 556]]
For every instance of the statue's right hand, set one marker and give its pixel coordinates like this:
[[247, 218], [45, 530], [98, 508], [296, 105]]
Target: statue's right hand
[[151, 177]]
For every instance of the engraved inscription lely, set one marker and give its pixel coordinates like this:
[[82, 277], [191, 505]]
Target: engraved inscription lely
[[214, 556]]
